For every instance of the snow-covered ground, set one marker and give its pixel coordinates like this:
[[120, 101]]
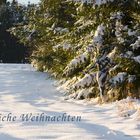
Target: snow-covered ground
[[24, 90]]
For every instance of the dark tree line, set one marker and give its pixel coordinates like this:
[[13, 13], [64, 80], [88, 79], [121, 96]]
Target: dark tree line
[[11, 50]]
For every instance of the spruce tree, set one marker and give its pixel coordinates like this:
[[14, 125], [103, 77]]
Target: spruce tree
[[91, 45]]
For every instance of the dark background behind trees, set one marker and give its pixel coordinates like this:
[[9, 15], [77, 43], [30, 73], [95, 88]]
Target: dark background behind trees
[[11, 50]]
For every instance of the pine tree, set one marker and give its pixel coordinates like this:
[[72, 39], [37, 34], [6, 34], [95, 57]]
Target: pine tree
[[90, 44], [47, 31], [110, 70], [10, 49]]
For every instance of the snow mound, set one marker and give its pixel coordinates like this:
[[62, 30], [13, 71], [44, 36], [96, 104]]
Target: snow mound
[[129, 108]]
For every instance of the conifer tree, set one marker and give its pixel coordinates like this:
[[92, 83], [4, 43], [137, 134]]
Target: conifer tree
[[10, 49], [90, 44]]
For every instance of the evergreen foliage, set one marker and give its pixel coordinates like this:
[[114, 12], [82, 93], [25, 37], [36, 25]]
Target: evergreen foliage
[[94, 46], [11, 50]]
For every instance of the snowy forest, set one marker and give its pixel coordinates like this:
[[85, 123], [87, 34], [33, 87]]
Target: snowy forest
[[91, 46], [70, 70]]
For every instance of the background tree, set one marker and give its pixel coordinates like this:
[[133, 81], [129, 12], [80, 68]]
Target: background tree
[[11, 50]]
